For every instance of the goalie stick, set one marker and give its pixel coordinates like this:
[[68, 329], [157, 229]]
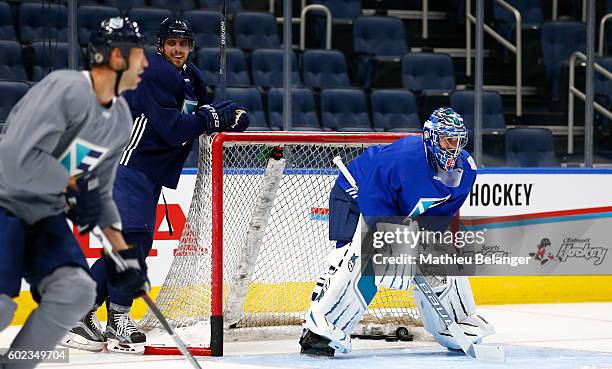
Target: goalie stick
[[481, 352], [122, 265]]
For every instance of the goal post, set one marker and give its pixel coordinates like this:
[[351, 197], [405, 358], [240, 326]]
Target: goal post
[[256, 237]]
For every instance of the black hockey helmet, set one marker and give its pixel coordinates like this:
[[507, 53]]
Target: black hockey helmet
[[173, 27], [115, 32]]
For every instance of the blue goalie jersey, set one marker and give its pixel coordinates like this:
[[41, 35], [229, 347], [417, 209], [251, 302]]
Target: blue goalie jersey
[[164, 124], [400, 180]]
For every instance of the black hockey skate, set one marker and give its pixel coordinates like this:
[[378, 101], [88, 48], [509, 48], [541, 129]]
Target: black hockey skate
[[123, 335], [315, 345], [86, 334]]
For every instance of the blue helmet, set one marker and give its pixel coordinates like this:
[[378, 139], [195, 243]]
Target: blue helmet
[[445, 124], [113, 33], [172, 27]]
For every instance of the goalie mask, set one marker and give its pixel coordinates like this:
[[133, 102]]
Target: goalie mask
[[445, 135]]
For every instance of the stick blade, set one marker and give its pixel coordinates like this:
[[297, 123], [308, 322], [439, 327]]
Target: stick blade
[[495, 354]]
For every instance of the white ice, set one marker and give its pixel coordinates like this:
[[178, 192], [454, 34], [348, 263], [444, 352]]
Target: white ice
[[559, 336]]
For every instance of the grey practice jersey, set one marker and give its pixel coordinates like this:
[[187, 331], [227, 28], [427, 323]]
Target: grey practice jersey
[[58, 129]]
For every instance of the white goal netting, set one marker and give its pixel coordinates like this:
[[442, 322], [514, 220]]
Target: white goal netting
[[282, 263]]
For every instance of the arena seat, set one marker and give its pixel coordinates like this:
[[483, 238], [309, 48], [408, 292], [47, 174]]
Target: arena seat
[[267, 68], [345, 110], [530, 147], [11, 92], [255, 30], [395, 111], [206, 26], [11, 63], [303, 109], [7, 31], [236, 72], [39, 22], [325, 69]]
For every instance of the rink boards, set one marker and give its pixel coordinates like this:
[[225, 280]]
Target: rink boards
[[497, 192]]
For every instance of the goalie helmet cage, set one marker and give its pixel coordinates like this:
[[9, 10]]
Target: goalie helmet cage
[[255, 239]]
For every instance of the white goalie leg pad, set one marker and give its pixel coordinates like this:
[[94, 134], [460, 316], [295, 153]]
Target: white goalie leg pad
[[456, 296], [337, 302]]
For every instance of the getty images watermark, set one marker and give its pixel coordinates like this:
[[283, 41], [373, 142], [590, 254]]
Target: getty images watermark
[[393, 244]]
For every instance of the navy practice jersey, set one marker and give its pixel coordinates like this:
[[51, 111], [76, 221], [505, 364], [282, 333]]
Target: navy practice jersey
[[164, 124], [400, 180]]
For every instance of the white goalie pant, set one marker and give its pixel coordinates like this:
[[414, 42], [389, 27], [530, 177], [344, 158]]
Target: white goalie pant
[[342, 295], [456, 296]]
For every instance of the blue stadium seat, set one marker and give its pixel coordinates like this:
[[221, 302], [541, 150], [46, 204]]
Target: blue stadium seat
[[90, 17], [531, 16], [39, 22], [124, 5], [149, 20], [255, 30], [395, 111], [250, 98], [231, 6], [377, 39], [11, 64], [380, 36], [206, 26], [176, 6], [236, 72], [303, 109], [267, 68], [48, 59], [530, 147], [7, 31], [559, 41], [493, 110], [342, 9], [345, 110], [428, 72], [325, 69], [11, 92]]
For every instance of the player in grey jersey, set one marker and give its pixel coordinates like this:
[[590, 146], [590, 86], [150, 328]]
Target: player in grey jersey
[[59, 151]]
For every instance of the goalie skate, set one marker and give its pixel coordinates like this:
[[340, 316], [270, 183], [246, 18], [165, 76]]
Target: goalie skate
[[86, 335], [315, 345], [122, 334]]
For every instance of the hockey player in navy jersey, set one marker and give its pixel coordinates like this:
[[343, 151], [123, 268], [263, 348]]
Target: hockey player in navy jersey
[[170, 110], [59, 150], [415, 176]]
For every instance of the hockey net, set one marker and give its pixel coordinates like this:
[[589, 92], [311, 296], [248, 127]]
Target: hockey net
[[268, 220]]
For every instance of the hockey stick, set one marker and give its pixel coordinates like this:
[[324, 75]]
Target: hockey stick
[[488, 353], [482, 352], [122, 265], [222, 46]]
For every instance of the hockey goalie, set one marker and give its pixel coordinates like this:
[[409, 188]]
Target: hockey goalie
[[415, 176]]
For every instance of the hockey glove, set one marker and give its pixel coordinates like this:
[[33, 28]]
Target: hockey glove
[[83, 206], [241, 122], [218, 115], [131, 277]]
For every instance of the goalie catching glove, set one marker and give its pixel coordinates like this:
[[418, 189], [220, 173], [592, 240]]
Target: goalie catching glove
[[130, 278], [83, 206], [224, 116]]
